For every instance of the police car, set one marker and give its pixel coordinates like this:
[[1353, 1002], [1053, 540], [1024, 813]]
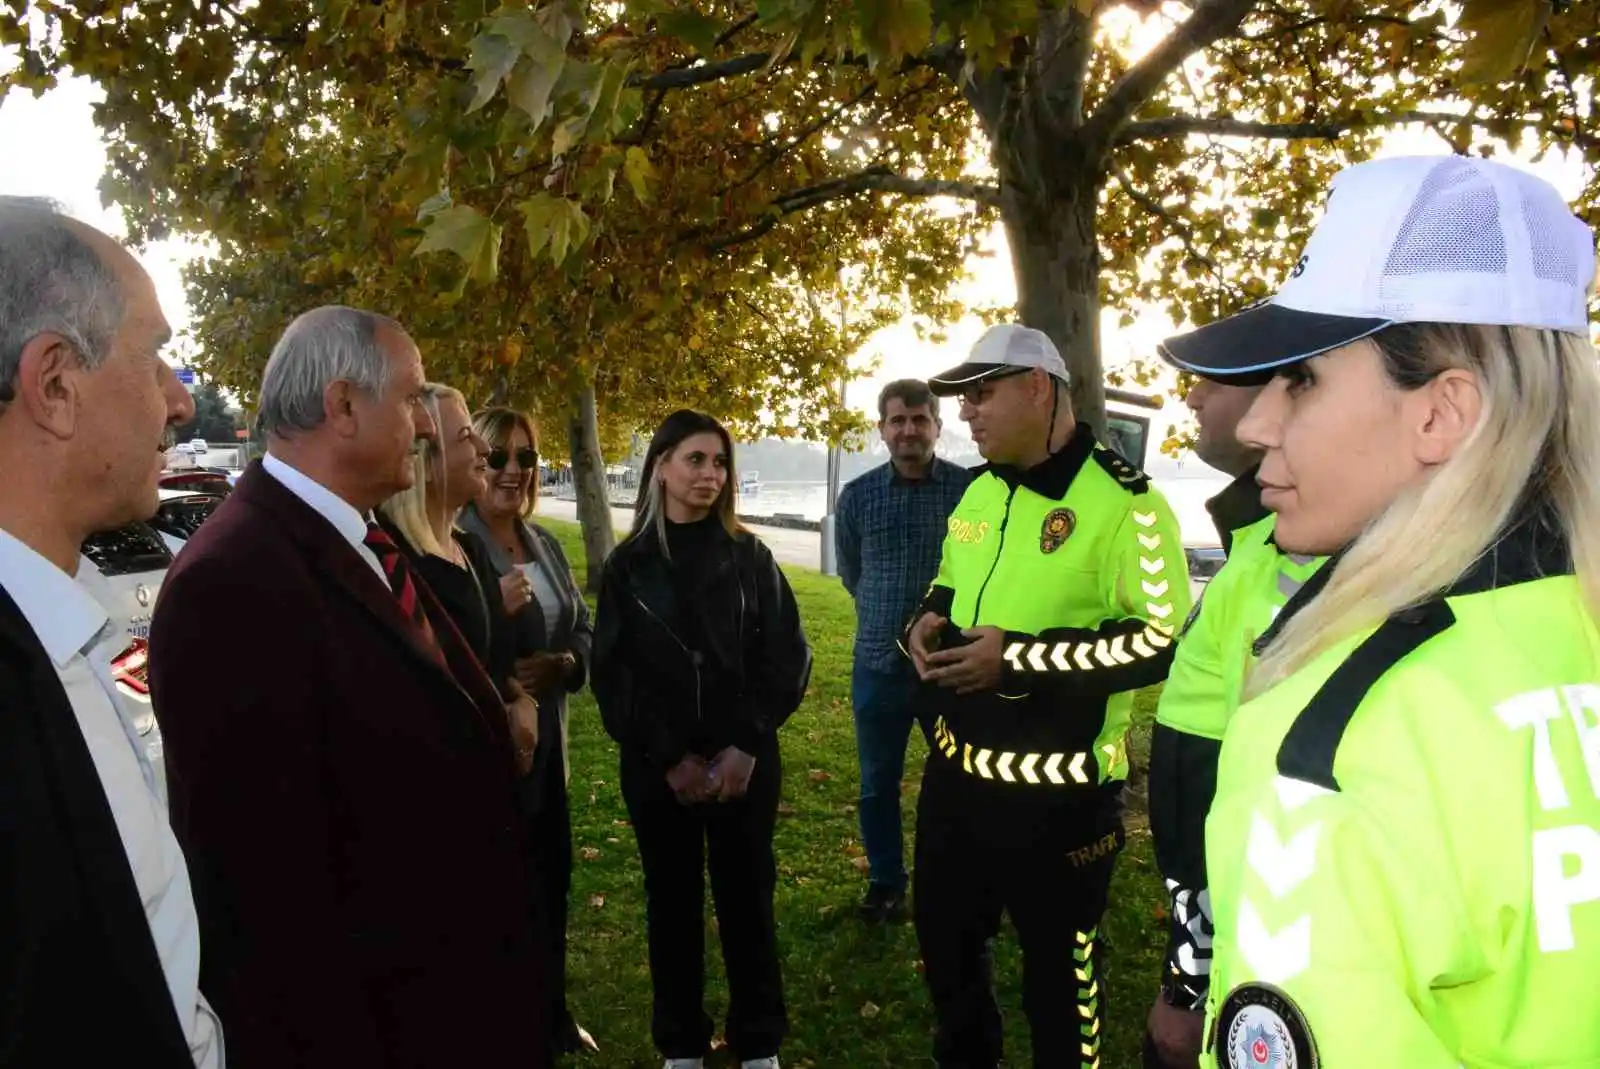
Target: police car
[[123, 570]]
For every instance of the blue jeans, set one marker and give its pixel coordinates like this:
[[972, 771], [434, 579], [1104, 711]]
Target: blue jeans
[[886, 705]]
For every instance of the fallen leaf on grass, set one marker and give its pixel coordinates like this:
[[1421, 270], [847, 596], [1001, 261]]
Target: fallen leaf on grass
[[819, 775], [870, 1010], [597, 901], [861, 863], [589, 853], [785, 809], [612, 839]]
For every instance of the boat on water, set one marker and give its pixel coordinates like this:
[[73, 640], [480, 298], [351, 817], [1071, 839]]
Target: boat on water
[[749, 483]]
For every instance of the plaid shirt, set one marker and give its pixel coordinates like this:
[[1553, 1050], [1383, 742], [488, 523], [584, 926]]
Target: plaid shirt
[[889, 535]]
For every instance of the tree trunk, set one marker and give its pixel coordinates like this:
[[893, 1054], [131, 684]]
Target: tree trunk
[[1050, 228], [589, 483], [1049, 188]]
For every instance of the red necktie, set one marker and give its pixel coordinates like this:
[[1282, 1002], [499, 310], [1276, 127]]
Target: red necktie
[[398, 570]]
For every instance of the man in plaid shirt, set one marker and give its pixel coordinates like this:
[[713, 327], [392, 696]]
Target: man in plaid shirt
[[891, 526]]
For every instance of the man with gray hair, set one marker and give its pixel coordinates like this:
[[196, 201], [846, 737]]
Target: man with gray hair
[[99, 942], [349, 797]]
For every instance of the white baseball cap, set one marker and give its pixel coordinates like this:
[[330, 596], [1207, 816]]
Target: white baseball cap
[[1004, 349], [1412, 239]]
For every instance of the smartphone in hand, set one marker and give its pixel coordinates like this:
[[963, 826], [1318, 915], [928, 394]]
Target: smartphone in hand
[[951, 638]]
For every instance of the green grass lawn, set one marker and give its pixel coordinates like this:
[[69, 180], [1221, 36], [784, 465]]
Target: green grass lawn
[[856, 996]]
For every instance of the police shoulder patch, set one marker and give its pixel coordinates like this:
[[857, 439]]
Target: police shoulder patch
[[1125, 474], [1260, 1027]]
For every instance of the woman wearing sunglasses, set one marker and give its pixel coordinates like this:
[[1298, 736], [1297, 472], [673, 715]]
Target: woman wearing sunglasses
[[552, 641], [1403, 851]]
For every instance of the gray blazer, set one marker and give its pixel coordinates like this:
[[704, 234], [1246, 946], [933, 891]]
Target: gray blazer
[[574, 633]]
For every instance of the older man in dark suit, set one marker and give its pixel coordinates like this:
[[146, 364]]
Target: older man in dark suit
[[346, 791], [99, 942]]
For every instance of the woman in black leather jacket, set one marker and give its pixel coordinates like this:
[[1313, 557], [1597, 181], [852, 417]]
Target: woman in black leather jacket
[[699, 657]]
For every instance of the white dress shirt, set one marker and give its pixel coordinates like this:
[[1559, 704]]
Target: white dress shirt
[[344, 517], [80, 640]]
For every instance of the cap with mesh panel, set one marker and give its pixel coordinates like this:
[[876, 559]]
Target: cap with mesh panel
[[1003, 349], [1412, 239]]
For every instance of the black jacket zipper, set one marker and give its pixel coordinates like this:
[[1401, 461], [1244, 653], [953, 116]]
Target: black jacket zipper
[[694, 658], [977, 608]]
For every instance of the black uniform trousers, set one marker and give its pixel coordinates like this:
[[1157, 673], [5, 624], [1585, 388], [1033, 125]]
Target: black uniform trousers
[[675, 844], [1042, 856]]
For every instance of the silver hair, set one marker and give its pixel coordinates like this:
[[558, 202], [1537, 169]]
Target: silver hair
[[322, 346], [51, 280]]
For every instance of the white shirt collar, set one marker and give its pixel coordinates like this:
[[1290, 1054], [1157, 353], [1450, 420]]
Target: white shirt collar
[[66, 617], [346, 519]]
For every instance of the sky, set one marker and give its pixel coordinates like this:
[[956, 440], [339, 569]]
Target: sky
[[50, 146]]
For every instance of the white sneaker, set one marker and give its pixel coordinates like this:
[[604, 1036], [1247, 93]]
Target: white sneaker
[[762, 1063], [685, 1063]]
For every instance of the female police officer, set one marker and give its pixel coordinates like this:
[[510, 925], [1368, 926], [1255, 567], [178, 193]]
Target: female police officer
[[1404, 848]]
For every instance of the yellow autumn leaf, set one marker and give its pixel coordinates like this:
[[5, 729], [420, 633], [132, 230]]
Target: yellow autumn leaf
[[1500, 35]]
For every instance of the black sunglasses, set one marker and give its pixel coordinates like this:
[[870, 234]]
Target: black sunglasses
[[527, 458]]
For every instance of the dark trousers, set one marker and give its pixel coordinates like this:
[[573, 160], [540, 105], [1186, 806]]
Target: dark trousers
[[547, 845], [676, 842], [987, 849], [885, 706]]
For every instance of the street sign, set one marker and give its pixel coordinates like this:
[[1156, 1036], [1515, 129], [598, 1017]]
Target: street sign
[[186, 375]]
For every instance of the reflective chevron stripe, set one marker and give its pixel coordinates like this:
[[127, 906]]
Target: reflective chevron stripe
[[1282, 866], [1155, 589], [1038, 658], [1010, 766], [1273, 957], [1192, 911], [1154, 584], [1083, 963]]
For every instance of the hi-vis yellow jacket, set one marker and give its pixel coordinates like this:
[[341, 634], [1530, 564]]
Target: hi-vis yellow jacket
[[1202, 692], [1078, 560], [1404, 848]]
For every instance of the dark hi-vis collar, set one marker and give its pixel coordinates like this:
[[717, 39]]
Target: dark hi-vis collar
[[1052, 477], [1534, 548]]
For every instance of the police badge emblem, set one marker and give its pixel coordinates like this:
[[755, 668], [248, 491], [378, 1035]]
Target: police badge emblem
[[1057, 528], [1260, 1027]]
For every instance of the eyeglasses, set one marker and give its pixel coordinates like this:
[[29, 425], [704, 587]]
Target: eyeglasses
[[527, 458], [973, 394]]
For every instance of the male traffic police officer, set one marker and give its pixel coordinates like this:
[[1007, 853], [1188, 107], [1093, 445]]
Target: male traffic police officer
[[1202, 691], [1061, 583]]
